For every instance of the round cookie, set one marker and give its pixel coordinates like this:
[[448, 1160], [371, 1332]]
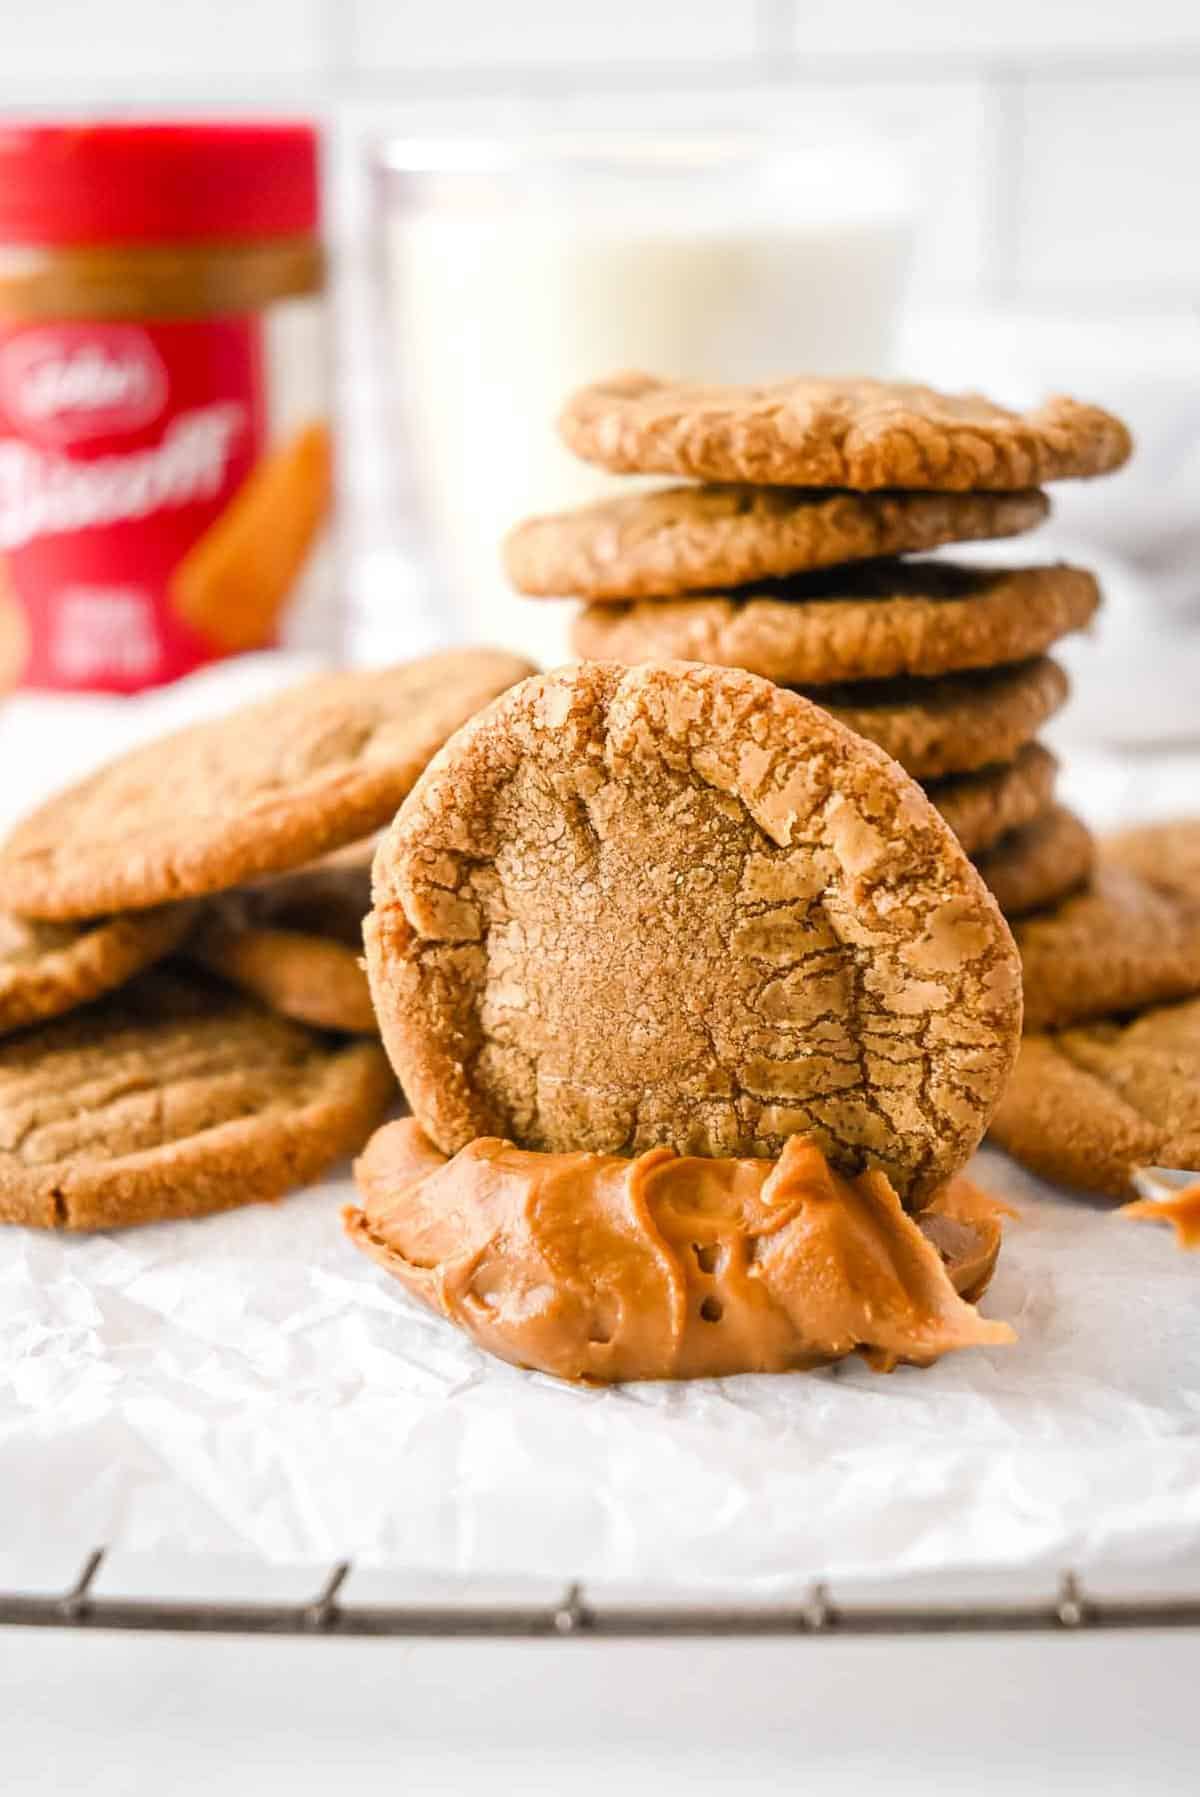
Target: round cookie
[[982, 807], [49, 968], [267, 788], [812, 432], [1088, 1105], [952, 725], [1040, 863], [1168, 855], [867, 623], [171, 1099], [1118, 945], [679, 906], [695, 539], [296, 944]]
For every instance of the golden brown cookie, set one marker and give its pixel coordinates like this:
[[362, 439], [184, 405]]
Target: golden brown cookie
[[49, 968], [170, 1099], [697, 539], [1088, 1105], [955, 724], [812, 432], [677, 905], [296, 944], [868, 623], [1168, 854], [669, 1267], [1040, 863], [1118, 945], [267, 788], [982, 807]]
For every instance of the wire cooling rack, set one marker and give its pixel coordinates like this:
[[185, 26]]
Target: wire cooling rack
[[1069, 1610]]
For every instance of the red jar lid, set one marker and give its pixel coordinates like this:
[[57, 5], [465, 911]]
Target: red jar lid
[[156, 181]]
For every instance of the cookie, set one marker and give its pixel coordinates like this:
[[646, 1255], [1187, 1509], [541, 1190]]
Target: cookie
[[1040, 863], [867, 623], [952, 725], [49, 968], [1118, 945], [695, 539], [669, 1267], [14, 633], [811, 432], [170, 1099], [679, 906], [1088, 1105], [982, 807], [296, 945], [268, 787], [1168, 854]]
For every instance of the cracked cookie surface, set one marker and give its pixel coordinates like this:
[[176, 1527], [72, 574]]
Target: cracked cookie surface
[[174, 1098], [263, 789], [1088, 1105], [1119, 944], [984, 806], [952, 725], [812, 432], [1039, 864], [868, 623], [678, 906], [49, 968], [695, 539]]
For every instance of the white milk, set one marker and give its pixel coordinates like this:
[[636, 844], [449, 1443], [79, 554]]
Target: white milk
[[498, 307]]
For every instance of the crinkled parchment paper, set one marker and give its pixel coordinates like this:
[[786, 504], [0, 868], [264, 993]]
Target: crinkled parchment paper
[[251, 1384]]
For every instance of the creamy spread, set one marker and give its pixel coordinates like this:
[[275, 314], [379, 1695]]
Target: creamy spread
[[597, 1267], [1181, 1210]]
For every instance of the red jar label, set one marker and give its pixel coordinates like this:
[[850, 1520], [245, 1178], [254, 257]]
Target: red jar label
[[122, 449]]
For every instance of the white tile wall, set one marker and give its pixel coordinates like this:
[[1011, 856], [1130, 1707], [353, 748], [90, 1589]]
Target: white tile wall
[[1109, 194], [1059, 135], [532, 34], [977, 28]]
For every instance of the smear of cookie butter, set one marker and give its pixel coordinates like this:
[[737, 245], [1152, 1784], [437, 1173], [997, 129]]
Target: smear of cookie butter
[[1181, 1210], [595, 1267]]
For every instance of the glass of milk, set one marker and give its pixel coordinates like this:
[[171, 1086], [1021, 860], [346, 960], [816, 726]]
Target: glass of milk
[[516, 270]]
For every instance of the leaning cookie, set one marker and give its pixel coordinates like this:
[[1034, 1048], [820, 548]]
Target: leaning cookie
[[669, 1267], [676, 905], [260, 791], [174, 1098], [866, 623], [696, 539], [1087, 1106], [49, 968], [816, 432]]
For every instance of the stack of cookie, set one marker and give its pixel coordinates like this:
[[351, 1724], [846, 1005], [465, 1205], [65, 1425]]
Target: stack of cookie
[[184, 1022], [784, 562], [1108, 1078]]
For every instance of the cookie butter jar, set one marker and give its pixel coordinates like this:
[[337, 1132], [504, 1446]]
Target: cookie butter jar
[[165, 469]]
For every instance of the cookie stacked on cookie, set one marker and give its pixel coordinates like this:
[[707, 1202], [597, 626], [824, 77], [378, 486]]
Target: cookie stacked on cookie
[[1108, 1077], [184, 1022], [785, 559]]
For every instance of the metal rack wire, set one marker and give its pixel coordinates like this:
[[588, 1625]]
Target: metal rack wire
[[1069, 1610]]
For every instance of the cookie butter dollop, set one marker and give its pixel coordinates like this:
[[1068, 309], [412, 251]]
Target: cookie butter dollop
[[596, 1267]]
